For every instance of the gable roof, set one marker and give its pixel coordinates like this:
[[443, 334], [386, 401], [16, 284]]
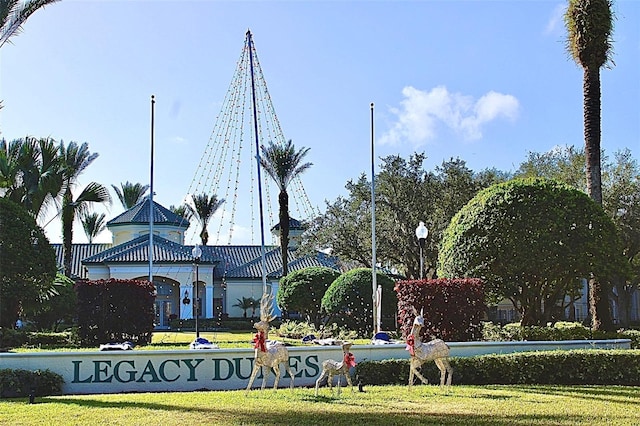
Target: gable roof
[[140, 214]]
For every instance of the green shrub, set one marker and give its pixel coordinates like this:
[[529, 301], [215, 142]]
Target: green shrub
[[19, 383], [634, 335], [115, 310], [10, 338], [349, 300], [52, 340], [576, 367], [559, 331]]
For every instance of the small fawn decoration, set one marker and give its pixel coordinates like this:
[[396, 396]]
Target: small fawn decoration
[[268, 354], [436, 350], [331, 368]]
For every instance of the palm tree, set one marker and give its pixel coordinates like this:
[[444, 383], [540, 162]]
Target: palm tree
[[14, 13], [245, 304], [75, 159], [283, 163], [203, 209], [589, 30], [182, 211], [130, 194], [93, 224], [30, 173]]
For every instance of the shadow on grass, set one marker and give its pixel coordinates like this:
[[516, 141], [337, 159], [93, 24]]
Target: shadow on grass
[[255, 416], [610, 394]]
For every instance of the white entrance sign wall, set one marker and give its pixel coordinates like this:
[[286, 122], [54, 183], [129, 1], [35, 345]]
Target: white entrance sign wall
[[229, 369]]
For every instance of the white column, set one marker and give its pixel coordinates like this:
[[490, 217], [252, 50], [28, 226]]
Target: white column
[[208, 297]]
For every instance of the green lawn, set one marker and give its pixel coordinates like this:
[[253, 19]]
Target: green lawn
[[378, 405]]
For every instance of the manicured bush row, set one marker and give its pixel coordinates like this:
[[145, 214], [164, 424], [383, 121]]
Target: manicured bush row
[[20, 383], [559, 331], [577, 367]]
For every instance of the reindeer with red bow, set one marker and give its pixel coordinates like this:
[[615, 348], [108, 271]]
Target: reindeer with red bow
[[436, 350], [269, 354], [331, 368]]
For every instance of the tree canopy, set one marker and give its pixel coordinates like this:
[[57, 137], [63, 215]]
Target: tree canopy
[[27, 262], [531, 241]]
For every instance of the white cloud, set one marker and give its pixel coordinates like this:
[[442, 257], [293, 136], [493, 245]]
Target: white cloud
[[556, 19], [179, 140], [421, 112]]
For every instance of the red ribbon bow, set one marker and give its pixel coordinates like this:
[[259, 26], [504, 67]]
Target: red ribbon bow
[[259, 342], [411, 345], [349, 359]]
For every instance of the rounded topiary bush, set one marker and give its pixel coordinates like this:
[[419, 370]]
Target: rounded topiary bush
[[302, 291], [349, 301]]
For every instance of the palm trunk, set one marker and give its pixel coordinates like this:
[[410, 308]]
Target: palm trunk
[[591, 89], [283, 200], [598, 292], [68, 214]]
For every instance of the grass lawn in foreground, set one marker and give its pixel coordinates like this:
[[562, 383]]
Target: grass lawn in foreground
[[379, 405]]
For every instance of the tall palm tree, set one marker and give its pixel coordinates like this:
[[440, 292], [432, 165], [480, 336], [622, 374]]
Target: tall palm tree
[[589, 41], [75, 159], [130, 194], [203, 209], [14, 13], [283, 163], [93, 224]]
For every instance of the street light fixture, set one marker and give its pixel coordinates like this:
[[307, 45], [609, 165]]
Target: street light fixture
[[421, 233], [196, 253]]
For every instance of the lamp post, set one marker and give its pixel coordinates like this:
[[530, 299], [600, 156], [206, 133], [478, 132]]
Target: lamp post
[[421, 233], [196, 253]]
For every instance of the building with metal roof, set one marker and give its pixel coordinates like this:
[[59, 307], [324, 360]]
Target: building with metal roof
[[224, 273]]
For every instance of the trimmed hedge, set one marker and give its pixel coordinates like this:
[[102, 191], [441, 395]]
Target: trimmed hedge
[[575, 367], [19, 383], [561, 330]]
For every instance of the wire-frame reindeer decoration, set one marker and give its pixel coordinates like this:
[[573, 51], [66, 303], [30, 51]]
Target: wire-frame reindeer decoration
[[269, 354]]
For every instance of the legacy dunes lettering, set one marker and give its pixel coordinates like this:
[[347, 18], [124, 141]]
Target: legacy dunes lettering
[[171, 370]]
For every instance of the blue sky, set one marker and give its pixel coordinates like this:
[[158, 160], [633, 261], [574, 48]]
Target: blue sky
[[485, 81]]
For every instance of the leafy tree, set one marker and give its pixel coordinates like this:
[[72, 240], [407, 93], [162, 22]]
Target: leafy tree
[[302, 291], [283, 164], [405, 195], [245, 304], [531, 241], [130, 194], [14, 13], [93, 224], [349, 300], [620, 200], [589, 41], [27, 262], [75, 159], [203, 209]]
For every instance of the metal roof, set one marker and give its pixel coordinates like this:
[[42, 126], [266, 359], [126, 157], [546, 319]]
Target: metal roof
[[233, 262], [140, 214]]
